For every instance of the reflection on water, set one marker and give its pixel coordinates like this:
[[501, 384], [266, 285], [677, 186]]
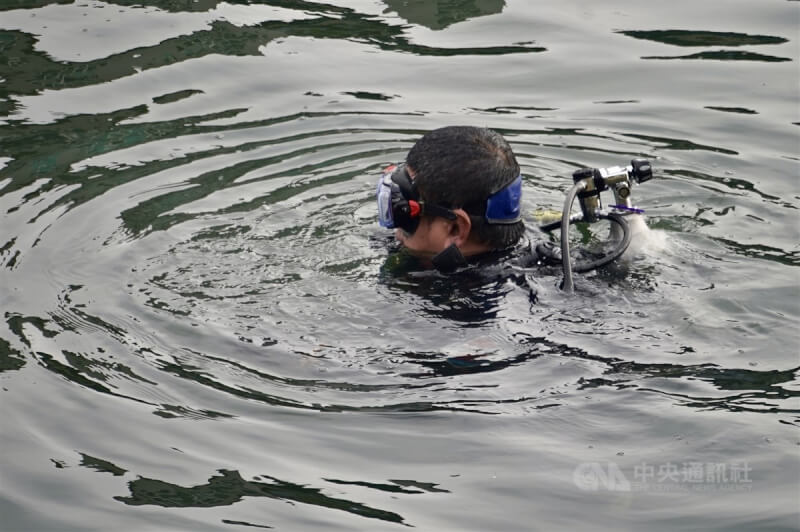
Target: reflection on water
[[438, 14], [193, 288], [10, 358], [703, 38], [708, 39], [726, 55], [229, 487], [740, 110], [28, 70]]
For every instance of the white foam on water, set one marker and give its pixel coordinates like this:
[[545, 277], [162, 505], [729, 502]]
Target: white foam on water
[[644, 241]]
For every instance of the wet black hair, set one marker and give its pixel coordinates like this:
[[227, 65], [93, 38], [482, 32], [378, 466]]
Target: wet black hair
[[459, 167]]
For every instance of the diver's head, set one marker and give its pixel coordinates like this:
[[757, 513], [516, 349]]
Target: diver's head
[[458, 193]]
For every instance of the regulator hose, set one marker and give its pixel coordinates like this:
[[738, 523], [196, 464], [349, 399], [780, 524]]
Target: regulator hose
[[566, 264], [568, 285], [618, 251]]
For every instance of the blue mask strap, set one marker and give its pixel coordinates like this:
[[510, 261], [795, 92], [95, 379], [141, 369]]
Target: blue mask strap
[[503, 207]]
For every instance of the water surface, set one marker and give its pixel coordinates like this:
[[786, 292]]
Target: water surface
[[204, 328]]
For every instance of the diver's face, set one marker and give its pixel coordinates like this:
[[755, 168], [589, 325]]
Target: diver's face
[[433, 235]]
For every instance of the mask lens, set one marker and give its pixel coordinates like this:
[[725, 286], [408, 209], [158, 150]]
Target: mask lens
[[397, 204], [384, 196]]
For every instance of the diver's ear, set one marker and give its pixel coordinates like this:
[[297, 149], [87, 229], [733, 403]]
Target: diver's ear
[[460, 228]]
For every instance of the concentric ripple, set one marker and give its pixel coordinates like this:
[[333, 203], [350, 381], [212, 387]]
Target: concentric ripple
[[202, 320]]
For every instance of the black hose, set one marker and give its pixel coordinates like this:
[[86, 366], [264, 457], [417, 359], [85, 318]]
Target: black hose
[[614, 255], [568, 285], [557, 224]]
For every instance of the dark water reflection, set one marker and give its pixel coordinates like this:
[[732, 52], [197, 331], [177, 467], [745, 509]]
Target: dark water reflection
[[229, 487], [704, 38], [439, 14], [709, 39], [726, 55], [203, 328], [27, 70]]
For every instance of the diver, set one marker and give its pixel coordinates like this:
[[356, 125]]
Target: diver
[[456, 201], [456, 197]]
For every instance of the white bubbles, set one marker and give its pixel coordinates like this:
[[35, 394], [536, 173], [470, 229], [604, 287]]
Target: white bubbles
[[644, 241]]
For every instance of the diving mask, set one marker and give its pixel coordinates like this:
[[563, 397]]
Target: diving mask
[[399, 205]]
